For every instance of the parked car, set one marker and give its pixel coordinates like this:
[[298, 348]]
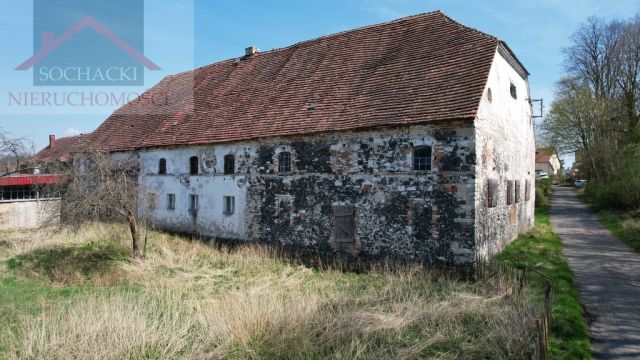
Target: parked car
[[580, 183], [543, 175]]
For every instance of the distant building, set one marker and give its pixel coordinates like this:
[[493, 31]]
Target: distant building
[[548, 161], [20, 199]]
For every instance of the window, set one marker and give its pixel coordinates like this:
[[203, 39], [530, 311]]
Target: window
[[284, 162], [193, 203], [422, 158], [513, 91], [193, 165], [527, 190], [229, 164], [345, 225], [162, 167], [492, 193], [171, 201], [517, 189], [18, 193], [509, 192], [489, 95], [229, 203]]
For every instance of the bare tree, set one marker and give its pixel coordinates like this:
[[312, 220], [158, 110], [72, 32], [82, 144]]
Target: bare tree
[[13, 150], [99, 188]]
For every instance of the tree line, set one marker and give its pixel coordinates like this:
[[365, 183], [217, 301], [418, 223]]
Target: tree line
[[596, 109]]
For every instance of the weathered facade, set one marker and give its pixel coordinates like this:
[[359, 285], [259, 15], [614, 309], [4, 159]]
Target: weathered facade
[[416, 152]]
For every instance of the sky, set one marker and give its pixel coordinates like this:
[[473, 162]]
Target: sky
[[185, 34]]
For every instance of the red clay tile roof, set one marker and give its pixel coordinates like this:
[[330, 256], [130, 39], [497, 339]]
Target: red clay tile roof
[[543, 155], [62, 149], [419, 69]]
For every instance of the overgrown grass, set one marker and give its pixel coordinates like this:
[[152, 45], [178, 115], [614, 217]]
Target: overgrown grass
[[625, 224], [541, 249], [80, 296]]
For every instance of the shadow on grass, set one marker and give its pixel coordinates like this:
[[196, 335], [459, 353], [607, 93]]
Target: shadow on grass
[[71, 264]]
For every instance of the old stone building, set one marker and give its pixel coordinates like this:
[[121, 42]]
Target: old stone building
[[411, 139]]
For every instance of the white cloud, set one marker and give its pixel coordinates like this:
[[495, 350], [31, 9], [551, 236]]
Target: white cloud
[[72, 132]]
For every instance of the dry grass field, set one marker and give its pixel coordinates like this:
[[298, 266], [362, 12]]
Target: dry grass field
[[79, 295]]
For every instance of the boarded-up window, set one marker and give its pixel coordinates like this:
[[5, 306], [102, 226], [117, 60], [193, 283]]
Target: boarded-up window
[[284, 162], [193, 165], [422, 158], [229, 164], [527, 190], [162, 167], [492, 193], [517, 191], [509, 192], [345, 225]]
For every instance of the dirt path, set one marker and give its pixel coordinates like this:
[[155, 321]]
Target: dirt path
[[607, 273]]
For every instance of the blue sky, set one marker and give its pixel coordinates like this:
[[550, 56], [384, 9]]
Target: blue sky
[[535, 30]]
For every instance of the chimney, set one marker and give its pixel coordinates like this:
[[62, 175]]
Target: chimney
[[251, 50], [52, 140]]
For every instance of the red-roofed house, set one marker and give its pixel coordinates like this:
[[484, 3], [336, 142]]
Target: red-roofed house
[[548, 161], [411, 139]]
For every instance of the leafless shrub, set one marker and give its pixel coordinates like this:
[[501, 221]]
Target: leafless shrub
[[99, 188]]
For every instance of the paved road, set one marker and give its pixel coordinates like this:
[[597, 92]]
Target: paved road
[[607, 273]]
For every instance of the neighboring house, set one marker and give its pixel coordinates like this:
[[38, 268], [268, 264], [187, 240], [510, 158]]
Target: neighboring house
[[411, 139], [59, 151], [548, 161], [20, 199], [21, 195]]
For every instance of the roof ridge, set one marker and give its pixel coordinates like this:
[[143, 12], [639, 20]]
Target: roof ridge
[[361, 28]]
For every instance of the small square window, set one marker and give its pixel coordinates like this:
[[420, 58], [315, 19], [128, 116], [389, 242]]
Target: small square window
[[422, 158], [284, 162], [513, 91], [171, 201], [229, 164], [162, 167], [193, 165], [229, 203], [193, 203]]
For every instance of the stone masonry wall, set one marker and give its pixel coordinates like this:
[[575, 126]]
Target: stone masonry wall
[[427, 216]]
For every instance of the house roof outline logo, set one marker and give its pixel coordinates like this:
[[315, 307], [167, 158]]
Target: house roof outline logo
[[50, 43]]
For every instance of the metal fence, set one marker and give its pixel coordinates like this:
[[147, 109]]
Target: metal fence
[[517, 279]]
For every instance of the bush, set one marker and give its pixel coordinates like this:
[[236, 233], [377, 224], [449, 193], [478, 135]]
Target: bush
[[623, 190], [543, 191]]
